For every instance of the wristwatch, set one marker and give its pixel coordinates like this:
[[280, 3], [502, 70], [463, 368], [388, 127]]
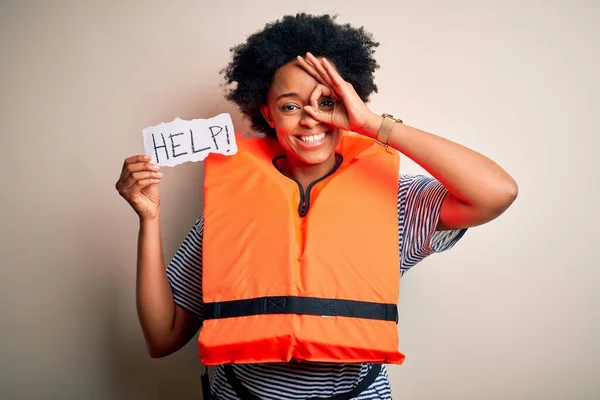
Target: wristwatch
[[386, 128]]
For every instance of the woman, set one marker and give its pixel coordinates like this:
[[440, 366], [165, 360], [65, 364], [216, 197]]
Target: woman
[[305, 81]]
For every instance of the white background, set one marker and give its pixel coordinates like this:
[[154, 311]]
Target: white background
[[511, 313]]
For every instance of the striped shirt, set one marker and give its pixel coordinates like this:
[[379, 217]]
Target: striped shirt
[[419, 201]]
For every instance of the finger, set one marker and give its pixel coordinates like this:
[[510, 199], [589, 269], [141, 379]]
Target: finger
[[139, 176], [140, 185], [340, 86], [318, 115], [318, 65], [310, 69], [315, 96], [336, 80], [319, 92], [137, 167], [139, 158]]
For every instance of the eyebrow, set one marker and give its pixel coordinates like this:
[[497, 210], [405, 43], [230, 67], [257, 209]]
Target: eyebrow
[[292, 94]]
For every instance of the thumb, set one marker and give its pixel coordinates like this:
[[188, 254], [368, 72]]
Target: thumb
[[321, 116]]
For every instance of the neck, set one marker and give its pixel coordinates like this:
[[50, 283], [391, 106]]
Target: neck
[[308, 173]]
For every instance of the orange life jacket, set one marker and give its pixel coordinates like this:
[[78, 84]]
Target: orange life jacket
[[299, 276]]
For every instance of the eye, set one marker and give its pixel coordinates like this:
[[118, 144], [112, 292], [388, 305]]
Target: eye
[[289, 107], [327, 103]]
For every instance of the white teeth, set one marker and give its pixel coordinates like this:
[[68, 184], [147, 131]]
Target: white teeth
[[313, 138]]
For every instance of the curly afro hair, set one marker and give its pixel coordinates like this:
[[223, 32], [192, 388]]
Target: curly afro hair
[[254, 63]]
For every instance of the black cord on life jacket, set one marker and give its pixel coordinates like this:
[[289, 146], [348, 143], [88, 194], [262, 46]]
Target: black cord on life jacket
[[206, 391], [244, 394]]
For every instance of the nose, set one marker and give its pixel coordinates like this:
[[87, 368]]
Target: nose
[[308, 121]]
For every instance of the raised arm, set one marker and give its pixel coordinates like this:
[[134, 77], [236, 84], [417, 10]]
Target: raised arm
[[166, 326], [479, 189]]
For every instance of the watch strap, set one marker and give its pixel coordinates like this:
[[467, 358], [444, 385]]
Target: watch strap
[[386, 128]]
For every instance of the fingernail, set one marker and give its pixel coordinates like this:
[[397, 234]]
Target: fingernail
[[159, 174]]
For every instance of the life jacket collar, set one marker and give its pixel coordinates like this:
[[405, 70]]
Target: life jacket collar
[[304, 203]]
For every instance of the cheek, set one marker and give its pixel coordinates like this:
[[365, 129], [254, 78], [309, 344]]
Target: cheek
[[285, 125]]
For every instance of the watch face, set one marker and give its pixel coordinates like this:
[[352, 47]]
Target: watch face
[[391, 117]]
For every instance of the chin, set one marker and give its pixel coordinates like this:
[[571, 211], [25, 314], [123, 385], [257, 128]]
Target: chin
[[313, 159]]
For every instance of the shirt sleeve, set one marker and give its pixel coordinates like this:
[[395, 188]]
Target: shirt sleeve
[[185, 271], [419, 202]]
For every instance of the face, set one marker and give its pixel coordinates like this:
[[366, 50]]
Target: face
[[305, 140]]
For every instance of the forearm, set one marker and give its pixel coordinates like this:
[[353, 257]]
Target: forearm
[[470, 177], [155, 305]]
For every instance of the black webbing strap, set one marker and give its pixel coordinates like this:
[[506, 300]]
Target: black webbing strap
[[244, 394], [206, 389], [301, 305]]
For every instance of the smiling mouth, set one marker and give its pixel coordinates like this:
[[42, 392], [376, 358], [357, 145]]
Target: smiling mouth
[[312, 140]]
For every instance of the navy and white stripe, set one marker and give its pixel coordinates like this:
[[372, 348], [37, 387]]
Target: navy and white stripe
[[419, 201], [185, 272], [301, 380]]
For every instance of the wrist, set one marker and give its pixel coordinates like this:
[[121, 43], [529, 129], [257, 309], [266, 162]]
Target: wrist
[[372, 125], [149, 220]]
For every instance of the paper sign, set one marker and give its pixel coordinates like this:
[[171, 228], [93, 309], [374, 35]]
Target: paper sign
[[180, 141]]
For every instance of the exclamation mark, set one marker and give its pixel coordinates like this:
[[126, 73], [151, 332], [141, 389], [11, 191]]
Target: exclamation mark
[[227, 134]]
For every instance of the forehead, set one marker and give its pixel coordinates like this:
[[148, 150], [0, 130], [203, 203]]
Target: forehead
[[292, 78]]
